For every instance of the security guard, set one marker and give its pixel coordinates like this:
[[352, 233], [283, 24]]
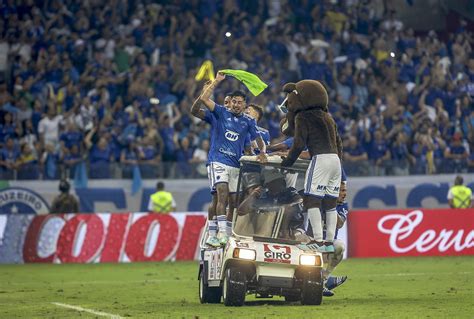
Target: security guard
[[64, 203], [161, 201], [460, 196]]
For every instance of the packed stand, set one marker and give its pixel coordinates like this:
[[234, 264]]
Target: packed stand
[[110, 83]]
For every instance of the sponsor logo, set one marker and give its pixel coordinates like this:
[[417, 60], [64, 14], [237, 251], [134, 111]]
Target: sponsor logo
[[95, 238], [231, 135], [218, 169], [17, 200], [400, 227], [321, 188], [427, 232], [277, 254], [227, 152]]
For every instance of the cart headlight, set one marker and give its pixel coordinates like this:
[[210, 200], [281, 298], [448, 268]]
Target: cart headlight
[[241, 253], [310, 260]]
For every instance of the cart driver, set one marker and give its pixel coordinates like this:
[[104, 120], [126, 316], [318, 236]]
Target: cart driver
[[275, 193]]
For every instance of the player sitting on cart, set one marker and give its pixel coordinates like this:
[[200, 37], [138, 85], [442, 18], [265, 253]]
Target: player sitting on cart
[[273, 195]]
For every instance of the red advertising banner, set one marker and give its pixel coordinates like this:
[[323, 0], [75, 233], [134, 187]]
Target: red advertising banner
[[421, 232], [92, 238]]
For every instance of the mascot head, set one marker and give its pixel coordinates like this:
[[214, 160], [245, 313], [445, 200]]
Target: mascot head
[[303, 95]]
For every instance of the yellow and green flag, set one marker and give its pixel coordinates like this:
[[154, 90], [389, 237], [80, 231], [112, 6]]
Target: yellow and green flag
[[206, 71], [250, 80]]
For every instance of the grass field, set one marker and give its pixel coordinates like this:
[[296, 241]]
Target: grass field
[[376, 288]]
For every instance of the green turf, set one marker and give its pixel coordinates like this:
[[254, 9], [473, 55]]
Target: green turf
[[377, 288]]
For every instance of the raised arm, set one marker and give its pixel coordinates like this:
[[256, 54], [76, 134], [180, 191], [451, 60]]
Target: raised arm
[[176, 114], [205, 96], [196, 109]]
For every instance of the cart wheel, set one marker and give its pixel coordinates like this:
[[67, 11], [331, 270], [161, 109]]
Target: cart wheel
[[208, 294], [312, 290], [234, 287]]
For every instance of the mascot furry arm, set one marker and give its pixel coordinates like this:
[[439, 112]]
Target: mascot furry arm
[[299, 142]]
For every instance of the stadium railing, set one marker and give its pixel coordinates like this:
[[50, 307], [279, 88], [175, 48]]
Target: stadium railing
[[178, 170]]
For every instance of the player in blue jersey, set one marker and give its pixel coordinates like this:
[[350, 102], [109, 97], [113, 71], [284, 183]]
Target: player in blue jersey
[[251, 178], [198, 111], [255, 111], [229, 129], [342, 210]]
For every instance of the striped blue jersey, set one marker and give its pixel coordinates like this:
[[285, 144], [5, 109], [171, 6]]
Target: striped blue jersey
[[265, 135], [228, 135]]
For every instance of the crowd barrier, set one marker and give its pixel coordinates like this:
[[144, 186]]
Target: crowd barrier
[[137, 237], [194, 196]]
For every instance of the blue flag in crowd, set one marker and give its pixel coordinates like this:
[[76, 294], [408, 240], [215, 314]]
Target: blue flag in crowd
[[137, 180], [50, 167], [80, 175]]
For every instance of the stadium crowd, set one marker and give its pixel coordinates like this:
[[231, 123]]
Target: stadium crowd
[[111, 83]]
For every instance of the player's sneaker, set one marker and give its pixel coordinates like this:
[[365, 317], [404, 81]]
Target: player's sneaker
[[313, 246], [329, 247], [327, 292], [223, 238], [335, 281], [213, 241]]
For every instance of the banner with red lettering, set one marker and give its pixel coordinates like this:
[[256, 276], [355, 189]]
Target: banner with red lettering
[[92, 238], [421, 232]]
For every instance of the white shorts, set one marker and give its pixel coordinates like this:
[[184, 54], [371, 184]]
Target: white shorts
[[221, 173], [323, 176]]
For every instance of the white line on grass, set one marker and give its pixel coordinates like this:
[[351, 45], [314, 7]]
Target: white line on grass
[[94, 312]]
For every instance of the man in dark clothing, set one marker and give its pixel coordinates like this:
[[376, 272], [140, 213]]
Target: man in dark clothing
[[64, 203], [275, 194]]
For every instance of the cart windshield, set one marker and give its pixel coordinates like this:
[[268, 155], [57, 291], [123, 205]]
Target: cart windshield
[[269, 203]]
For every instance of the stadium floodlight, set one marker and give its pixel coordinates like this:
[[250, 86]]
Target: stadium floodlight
[[310, 260], [247, 254], [154, 100]]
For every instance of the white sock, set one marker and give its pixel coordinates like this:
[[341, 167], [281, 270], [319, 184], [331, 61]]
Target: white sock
[[314, 215], [229, 228], [212, 228], [331, 223], [222, 223]]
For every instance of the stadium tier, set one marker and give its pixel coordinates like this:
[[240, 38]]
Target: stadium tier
[[103, 89]]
